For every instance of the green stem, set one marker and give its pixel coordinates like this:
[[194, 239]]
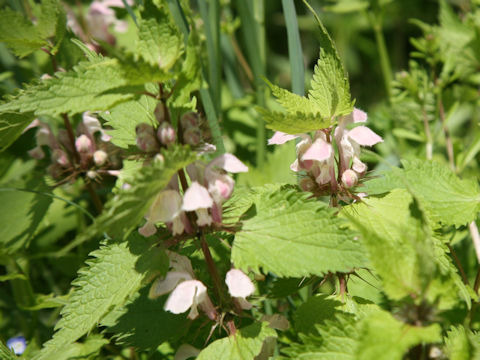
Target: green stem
[[376, 22]]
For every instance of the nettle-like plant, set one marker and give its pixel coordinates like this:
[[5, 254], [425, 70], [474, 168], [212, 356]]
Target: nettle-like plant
[[126, 163]]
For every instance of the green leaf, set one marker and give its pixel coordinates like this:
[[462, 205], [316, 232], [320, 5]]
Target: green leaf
[[442, 195], [330, 88], [293, 103], [127, 208], [21, 212], [402, 251], [291, 235], [374, 335], [462, 344], [6, 353], [92, 85], [160, 43], [86, 350], [143, 324], [295, 123], [19, 34], [315, 311], [23, 37], [245, 344], [384, 337], [113, 274], [125, 117], [12, 125]]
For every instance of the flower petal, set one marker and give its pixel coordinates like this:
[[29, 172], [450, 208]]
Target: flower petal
[[164, 286], [362, 135], [165, 207], [239, 284], [228, 162], [280, 138], [196, 197], [185, 295], [320, 150], [359, 115]]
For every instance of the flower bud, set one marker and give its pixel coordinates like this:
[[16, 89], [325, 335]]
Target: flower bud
[[99, 157], [60, 157], [189, 120], [349, 178], [166, 133], [192, 136], [36, 153], [146, 140], [83, 144], [91, 174]]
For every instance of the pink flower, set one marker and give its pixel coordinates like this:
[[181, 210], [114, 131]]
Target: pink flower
[[197, 199], [317, 158], [185, 292]]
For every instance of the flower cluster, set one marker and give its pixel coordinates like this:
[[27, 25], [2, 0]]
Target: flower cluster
[[316, 156], [150, 139], [74, 154], [210, 187], [188, 293], [97, 22]]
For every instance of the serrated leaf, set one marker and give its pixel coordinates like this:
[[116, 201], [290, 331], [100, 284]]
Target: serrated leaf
[[375, 335], [159, 41], [402, 251], [330, 87], [23, 37], [12, 125], [92, 85], [5, 353], [293, 103], [21, 212], [19, 34], [442, 195], [291, 235], [125, 117], [315, 311], [86, 350], [144, 324], [383, 337], [245, 344], [294, 123], [127, 208], [462, 344], [113, 274]]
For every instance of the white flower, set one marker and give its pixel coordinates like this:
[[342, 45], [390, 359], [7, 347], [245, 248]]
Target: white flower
[[240, 287]]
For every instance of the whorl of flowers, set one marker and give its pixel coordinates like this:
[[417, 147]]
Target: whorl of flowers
[[88, 151], [316, 155]]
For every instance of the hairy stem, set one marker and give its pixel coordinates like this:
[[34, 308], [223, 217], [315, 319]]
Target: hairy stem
[[448, 139], [459, 265], [212, 269], [428, 135]]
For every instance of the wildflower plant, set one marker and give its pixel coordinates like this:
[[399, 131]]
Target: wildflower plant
[[128, 226]]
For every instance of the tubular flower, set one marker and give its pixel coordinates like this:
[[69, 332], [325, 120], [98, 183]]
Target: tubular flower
[[316, 156], [185, 292]]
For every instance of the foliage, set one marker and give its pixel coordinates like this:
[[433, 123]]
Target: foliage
[[146, 216]]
